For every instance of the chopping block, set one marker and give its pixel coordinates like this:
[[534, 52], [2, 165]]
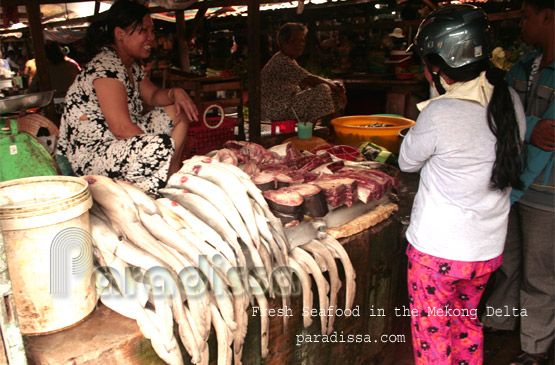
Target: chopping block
[[104, 337]]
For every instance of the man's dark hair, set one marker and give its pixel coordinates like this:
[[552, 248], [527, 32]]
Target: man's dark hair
[[54, 52], [540, 4]]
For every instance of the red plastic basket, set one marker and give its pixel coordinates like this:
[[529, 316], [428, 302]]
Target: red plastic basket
[[203, 139]]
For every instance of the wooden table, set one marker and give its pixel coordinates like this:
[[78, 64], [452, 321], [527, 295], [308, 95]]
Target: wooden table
[[377, 255]]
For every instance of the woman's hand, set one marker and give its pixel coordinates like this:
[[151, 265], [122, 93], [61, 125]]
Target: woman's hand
[[339, 90], [154, 96], [183, 103], [335, 87]]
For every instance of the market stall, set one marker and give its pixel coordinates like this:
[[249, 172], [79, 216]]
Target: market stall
[[352, 278], [377, 255], [107, 337], [333, 214]]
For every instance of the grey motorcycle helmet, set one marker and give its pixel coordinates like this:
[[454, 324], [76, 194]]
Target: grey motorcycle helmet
[[459, 34]]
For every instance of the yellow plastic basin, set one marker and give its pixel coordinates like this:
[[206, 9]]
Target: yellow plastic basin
[[356, 129]]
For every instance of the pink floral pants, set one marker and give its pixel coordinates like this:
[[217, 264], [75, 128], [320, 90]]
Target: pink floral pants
[[444, 296]]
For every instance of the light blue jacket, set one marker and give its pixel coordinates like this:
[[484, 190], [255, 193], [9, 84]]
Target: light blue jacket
[[542, 106]]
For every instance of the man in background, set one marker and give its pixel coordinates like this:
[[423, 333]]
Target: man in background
[[62, 72], [525, 281]]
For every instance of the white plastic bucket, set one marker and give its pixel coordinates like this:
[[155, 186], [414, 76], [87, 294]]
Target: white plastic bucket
[[46, 231]]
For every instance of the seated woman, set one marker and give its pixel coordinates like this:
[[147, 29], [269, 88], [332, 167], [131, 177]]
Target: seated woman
[[103, 129], [288, 89]]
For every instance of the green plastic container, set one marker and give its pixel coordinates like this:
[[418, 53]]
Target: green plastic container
[[304, 130], [21, 155]]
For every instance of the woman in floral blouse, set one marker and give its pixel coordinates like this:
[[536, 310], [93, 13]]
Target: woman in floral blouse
[[103, 129]]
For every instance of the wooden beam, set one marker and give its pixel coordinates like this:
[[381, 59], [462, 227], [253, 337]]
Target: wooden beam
[[505, 15], [39, 2], [253, 35], [33, 9], [197, 22], [182, 47]]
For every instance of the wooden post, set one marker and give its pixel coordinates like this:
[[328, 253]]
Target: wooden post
[[253, 33], [33, 14], [198, 21], [182, 47]]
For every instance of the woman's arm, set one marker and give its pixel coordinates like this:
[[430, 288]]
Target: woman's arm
[[314, 80], [154, 96], [112, 99], [419, 144]]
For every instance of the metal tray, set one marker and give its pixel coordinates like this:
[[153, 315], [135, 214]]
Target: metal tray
[[16, 103]]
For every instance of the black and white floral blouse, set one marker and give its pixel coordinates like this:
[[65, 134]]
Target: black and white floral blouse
[[91, 148]]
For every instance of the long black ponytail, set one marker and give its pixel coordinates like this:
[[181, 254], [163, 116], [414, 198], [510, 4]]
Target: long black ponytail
[[502, 119], [503, 124]]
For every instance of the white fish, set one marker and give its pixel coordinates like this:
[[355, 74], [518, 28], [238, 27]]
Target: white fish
[[203, 230], [307, 262], [139, 258], [252, 189], [193, 257], [260, 296], [139, 197], [215, 257], [265, 233], [104, 235], [204, 210], [157, 326], [317, 248], [275, 227], [193, 283], [223, 336], [207, 212], [148, 323], [339, 252], [283, 279], [111, 196], [214, 194], [186, 334], [233, 187], [306, 284], [196, 296], [241, 303]]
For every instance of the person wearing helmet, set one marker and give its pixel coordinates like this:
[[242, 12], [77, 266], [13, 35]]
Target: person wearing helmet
[[526, 278], [466, 145]]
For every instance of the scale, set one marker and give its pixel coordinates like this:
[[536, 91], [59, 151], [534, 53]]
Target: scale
[[21, 154]]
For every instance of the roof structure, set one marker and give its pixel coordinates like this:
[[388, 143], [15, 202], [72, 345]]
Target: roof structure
[[76, 13]]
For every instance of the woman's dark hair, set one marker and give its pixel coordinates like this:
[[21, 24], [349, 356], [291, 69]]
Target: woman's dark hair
[[288, 29], [123, 14], [501, 119]]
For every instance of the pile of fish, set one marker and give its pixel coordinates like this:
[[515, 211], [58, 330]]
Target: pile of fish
[[199, 255]]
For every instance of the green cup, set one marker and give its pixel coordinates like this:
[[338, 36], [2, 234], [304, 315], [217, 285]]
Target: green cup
[[304, 130]]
